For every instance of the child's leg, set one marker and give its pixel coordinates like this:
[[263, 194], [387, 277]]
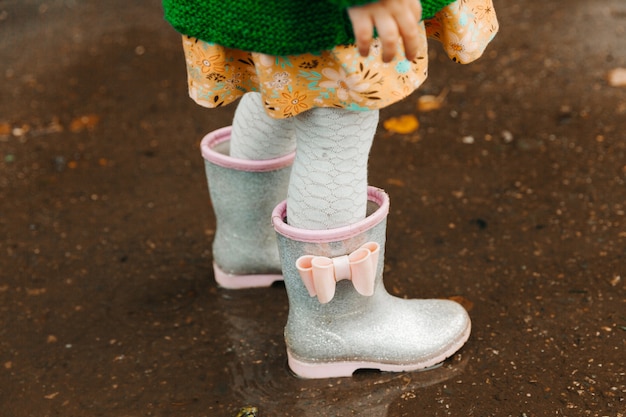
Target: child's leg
[[256, 135], [328, 185]]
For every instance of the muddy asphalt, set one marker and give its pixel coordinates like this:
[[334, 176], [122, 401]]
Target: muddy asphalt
[[509, 198]]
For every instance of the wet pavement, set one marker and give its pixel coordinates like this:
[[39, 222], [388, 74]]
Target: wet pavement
[[509, 198]]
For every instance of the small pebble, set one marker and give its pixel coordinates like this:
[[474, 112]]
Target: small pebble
[[59, 163], [617, 77], [507, 136]]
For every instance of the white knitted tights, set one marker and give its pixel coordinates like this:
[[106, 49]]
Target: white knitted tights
[[256, 135], [328, 185]]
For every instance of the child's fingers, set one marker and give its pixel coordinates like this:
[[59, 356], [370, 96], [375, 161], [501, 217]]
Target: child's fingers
[[392, 19], [363, 28], [408, 24], [388, 34]]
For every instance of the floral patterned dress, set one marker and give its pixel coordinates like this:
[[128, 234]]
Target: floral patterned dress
[[339, 77]]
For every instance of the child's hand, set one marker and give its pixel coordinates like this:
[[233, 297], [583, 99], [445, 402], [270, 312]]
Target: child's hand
[[391, 19]]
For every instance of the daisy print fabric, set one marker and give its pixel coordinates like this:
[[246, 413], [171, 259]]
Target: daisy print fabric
[[339, 77]]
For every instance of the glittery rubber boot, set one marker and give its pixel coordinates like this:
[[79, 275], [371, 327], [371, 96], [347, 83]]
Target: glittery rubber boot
[[243, 194], [341, 318]]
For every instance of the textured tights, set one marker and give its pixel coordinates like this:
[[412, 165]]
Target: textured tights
[[257, 136], [328, 184]]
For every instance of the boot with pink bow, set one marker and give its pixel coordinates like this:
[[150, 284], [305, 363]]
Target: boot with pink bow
[[331, 238], [341, 318]]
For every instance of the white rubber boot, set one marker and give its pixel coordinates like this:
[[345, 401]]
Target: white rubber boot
[[341, 318], [243, 194]]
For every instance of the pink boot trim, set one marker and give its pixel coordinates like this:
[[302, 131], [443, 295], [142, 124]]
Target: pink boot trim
[[375, 195], [315, 370], [237, 282], [215, 138]]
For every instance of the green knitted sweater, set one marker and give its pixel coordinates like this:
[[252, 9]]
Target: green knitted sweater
[[274, 27]]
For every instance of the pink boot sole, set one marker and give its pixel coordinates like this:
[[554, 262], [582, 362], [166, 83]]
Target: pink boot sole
[[316, 370], [236, 282]]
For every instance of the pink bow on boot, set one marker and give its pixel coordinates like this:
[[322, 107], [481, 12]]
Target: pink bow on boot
[[320, 274]]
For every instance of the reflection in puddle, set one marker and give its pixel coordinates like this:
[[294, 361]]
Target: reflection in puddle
[[255, 373]]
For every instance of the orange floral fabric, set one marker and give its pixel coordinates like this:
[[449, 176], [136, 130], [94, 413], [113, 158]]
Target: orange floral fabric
[[339, 77]]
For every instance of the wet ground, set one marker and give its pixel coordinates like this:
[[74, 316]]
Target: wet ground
[[510, 198]]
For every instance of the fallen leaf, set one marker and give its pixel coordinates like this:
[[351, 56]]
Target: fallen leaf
[[403, 124], [5, 129], [467, 304], [88, 121], [395, 181], [35, 291], [428, 103]]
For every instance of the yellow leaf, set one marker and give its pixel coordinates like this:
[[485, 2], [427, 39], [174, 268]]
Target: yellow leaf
[[395, 181], [89, 121], [429, 103], [467, 304], [5, 129], [403, 124]]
